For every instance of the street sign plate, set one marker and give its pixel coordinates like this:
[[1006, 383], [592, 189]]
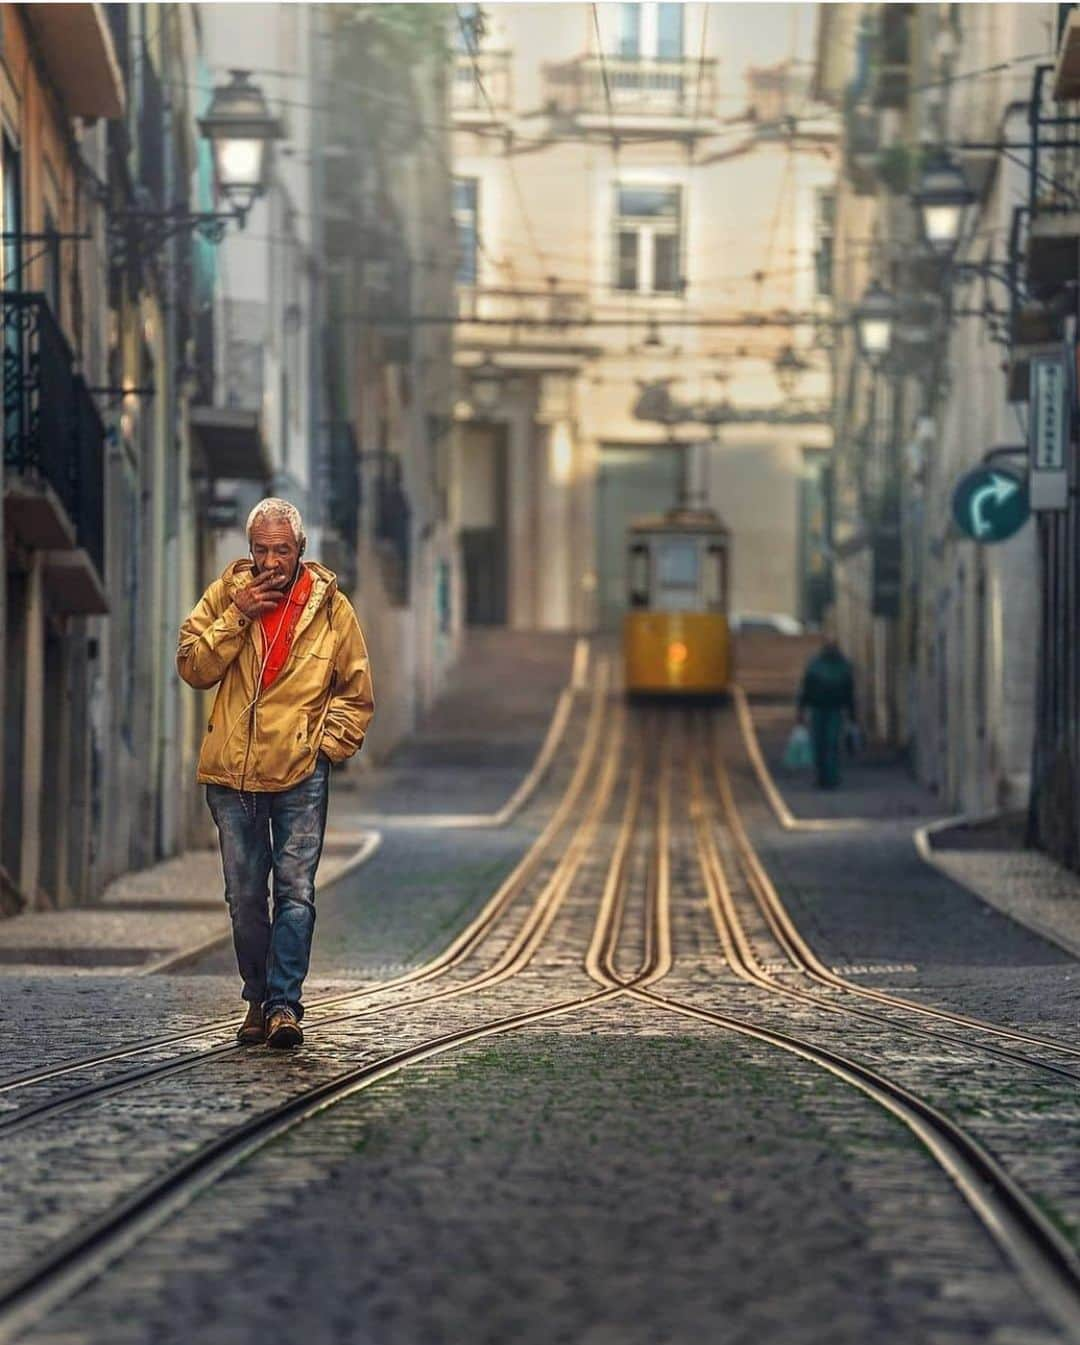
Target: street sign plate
[[1051, 395], [990, 504]]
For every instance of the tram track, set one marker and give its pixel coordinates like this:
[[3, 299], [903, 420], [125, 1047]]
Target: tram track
[[73, 1261], [520, 950], [802, 959], [1042, 1257], [1040, 1254], [460, 948]]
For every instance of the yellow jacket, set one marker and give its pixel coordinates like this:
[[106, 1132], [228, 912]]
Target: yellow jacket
[[321, 701]]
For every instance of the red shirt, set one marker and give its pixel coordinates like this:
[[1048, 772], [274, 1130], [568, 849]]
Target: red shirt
[[283, 618]]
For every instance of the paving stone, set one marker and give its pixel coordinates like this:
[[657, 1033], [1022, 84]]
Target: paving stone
[[618, 1173]]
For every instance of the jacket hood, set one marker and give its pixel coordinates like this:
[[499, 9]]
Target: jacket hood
[[239, 572]]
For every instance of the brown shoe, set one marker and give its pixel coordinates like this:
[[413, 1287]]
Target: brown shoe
[[252, 1031], [283, 1029]]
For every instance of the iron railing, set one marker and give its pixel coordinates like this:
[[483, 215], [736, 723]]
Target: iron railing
[[481, 82], [559, 307], [636, 86], [52, 430]]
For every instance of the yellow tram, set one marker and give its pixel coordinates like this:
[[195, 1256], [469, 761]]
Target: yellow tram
[[676, 638]]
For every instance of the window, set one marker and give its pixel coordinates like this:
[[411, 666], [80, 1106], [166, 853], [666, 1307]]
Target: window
[[466, 195], [677, 574], [639, 575], [715, 594], [12, 216], [629, 31], [824, 232], [669, 32], [648, 242]]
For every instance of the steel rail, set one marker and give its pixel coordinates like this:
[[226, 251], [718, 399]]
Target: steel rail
[[805, 960], [744, 962], [509, 810], [1042, 1257], [460, 947], [521, 949], [75, 1261], [656, 958], [85, 1254]]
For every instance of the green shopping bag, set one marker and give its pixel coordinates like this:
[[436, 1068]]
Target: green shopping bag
[[799, 753]]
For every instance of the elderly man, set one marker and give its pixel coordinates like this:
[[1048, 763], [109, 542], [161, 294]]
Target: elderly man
[[285, 651]]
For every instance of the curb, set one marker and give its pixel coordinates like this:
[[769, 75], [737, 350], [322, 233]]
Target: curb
[[921, 840], [783, 814], [184, 957]]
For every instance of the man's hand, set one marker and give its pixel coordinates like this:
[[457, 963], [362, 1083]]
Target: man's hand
[[263, 594]]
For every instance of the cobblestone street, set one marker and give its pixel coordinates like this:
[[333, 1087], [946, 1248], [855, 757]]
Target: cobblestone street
[[634, 1063]]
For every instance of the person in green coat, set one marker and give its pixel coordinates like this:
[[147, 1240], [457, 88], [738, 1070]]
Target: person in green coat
[[827, 694]]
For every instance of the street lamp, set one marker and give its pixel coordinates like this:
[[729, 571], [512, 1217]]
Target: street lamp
[[875, 317], [941, 199], [240, 128]]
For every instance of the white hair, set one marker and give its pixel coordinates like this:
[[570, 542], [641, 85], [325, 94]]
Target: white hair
[[274, 510]]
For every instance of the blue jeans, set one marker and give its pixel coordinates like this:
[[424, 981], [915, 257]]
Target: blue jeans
[[280, 833]]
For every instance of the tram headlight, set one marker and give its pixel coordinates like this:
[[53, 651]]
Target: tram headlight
[[677, 654]]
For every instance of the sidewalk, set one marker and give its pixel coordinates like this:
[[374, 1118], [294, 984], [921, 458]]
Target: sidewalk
[[986, 857], [473, 749], [481, 736]]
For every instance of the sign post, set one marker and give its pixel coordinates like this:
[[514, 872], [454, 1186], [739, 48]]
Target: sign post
[[1051, 398], [990, 504]]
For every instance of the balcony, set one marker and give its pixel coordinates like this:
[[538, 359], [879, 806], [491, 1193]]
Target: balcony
[[644, 91], [78, 52], [1067, 69], [550, 307], [1053, 208], [467, 101], [54, 444], [227, 435]]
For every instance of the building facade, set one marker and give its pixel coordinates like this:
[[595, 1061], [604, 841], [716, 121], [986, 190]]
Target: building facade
[[953, 639], [55, 105], [638, 301], [165, 368]]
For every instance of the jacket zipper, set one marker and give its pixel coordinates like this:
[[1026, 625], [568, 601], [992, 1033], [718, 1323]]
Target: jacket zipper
[[251, 729]]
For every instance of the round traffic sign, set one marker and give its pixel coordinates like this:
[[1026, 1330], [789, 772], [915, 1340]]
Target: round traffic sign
[[990, 504]]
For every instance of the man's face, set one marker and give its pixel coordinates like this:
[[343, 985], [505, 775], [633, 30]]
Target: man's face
[[274, 548]]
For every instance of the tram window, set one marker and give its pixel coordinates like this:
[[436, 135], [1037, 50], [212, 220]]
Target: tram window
[[716, 579], [639, 575], [677, 573]]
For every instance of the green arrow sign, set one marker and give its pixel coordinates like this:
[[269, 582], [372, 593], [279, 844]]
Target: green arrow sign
[[990, 504]]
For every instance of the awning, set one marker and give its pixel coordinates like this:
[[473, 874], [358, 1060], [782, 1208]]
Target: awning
[[78, 50], [230, 442]]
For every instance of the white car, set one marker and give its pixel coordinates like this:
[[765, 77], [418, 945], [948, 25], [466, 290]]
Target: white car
[[772, 623]]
